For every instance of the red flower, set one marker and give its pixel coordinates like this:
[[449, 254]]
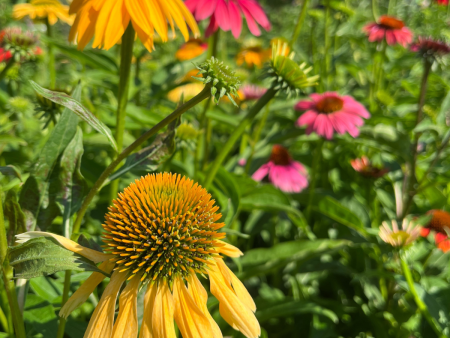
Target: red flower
[[391, 28], [440, 225], [366, 169], [429, 47], [442, 2], [5, 55]]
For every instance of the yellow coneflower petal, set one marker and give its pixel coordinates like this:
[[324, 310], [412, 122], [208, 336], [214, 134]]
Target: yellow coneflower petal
[[146, 39], [200, 297], [126, 323], [116, 27], [191, 321], [157, 18], [76, 5], [93, 255], [103, 18], [102, 320], [188, 17], [138, 12], [229, 250], [162, 321], [239, 288], [231, 308], [83, 292], [149, 303], [50, 9]]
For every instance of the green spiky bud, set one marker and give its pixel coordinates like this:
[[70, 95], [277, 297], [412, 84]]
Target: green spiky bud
[[286, 74], [221, 78]]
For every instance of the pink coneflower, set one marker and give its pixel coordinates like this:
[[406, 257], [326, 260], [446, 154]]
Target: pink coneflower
[[252, 92], [391, 28], [227, 14], [367, 169], [329, 112], [284, 173], [5, 55], [440, 225], [430, 48], [442, 2]]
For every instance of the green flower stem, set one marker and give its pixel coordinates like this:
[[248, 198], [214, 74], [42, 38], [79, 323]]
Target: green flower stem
[[391, 8], [7, 275], [204, 94], [7, 67], [326, 58], [65, 297], [200, 137], [227, 147], [313, 176], [375, 10], [300, 21], [51, 56], [4, 322], [420, 304], [126, 55], [410, 190]]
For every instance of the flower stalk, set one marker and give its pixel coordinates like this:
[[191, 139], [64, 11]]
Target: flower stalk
[[65, 297], [314, 170], [204, 94], [228, 146], [300, 21], [51, 56], [126, 56]]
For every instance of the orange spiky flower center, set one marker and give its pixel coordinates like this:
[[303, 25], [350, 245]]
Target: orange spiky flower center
[[440, 221], [280, 155], [163, 226], [330, 104], [390, 22]]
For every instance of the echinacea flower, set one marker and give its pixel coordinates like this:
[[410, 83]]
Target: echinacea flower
[[329, 112], [43, 9], [227, 15], [367, 169], [283, 172], [396, 237], [191, 49], [430, 48], [107, 20], [391, 29], [440, 225], [253, 56], [252, 92], [160, 233], [20, 45]]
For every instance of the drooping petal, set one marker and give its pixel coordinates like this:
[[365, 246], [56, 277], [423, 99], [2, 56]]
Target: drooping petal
[[163, 310], [229, 250], [191, 321], [261, 172], [83, 292], [93, 255], [149, 303]]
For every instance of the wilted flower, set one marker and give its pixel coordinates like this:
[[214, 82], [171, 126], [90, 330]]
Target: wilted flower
[[391, 29], [252, 92], [191, 49], [430, 48], [367, 169], [253, 56], [284, 173], [43, 9], [108, 20], [329, 112], [160, 232], [227, 15], [440, 225], [399, 237]]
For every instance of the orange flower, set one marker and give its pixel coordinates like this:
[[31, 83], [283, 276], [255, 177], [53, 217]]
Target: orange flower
[[191, 49], [253, 56], [440, 225], [44, 9]]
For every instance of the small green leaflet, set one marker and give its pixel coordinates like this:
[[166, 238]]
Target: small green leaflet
[[75, 106], [44, 256], [11, 170]]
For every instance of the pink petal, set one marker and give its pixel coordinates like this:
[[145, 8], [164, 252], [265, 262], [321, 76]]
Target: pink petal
[[235, 19], [222, 16], [212, 27], [304, 105], [390, 38], [322, 125], [257, 12], [205, 9], [252, 26], [262, 172], [307, 118]]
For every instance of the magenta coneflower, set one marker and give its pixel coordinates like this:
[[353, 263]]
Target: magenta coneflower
[[329, 112], [284, 173], [393, 29], [430, 48], [367, 169], [252, 92], [227, 15]]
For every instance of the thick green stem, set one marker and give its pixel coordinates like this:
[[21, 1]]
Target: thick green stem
[[4, 322], [126, 55], [201, 138], [313, 176], [410, 189], [65, 297], [420, 304], [51, 56], [204, 94], [300, 21], [212, 47], [7, 67], [227, 147]]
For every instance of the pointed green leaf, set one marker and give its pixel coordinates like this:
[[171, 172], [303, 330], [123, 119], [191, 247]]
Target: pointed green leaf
[[11, 170], [14, 215]]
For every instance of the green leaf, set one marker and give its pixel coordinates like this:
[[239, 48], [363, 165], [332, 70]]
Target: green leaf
[[294, 307], [151, 157], [226, 186], [44, 256], [11, 170], [34, 198], [14, 215], [331, 208], [74, 105]]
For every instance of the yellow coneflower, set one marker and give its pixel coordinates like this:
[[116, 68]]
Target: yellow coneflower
[[191, 49], [43, 9], [160, 232], [108, 20], [253, 56]]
